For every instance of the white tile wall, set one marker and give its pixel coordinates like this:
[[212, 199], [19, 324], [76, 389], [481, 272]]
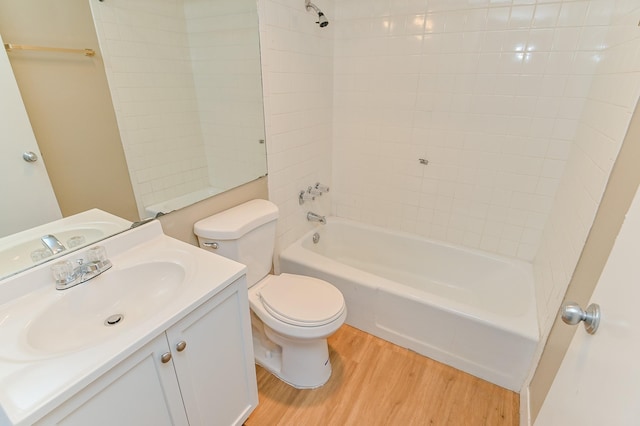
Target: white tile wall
[[600, 131], [489, 92], [514, 103], [146, 56], [297, 64], [520, 107]]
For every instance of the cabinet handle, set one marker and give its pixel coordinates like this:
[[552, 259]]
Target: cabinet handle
[[181, 345], [165, 357]]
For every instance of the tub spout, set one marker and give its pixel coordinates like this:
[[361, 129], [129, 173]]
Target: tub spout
[[312, 217]]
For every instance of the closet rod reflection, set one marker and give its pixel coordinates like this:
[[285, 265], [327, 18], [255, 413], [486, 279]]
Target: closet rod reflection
[[10, 46]]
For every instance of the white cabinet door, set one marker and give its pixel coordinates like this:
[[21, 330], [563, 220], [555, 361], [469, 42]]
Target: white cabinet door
[[139, 391], [216, 369], [25, 190], [599, 379]]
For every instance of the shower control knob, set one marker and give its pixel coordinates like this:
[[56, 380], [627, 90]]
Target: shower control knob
[[305, 196], [314, 191], [573, 314]]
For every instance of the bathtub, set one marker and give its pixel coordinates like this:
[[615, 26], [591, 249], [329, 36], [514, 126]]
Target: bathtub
[[469, 309]]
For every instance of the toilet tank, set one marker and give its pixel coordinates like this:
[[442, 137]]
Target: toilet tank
[[245, 233]]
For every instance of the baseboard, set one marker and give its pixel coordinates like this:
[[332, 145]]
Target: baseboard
[[525, 408]]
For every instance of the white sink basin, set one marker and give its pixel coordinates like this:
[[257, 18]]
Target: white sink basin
[[95, 311], [55, 342]]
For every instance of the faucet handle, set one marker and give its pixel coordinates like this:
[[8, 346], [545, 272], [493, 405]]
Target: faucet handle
[[98, 257], [305, 196], [63, 272], [97, 254], [322, 188], [314, 191]]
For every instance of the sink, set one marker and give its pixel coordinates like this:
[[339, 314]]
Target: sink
[[96, 310], [55, 342]]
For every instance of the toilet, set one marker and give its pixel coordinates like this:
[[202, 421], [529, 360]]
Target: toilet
[[291, 315]]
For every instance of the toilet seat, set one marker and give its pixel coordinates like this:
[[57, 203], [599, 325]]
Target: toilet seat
[[301, 301]]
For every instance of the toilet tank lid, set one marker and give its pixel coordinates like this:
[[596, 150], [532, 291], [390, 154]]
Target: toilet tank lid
[[235, 222]]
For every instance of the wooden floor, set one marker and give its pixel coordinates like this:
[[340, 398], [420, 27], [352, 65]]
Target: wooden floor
[[377, 383]]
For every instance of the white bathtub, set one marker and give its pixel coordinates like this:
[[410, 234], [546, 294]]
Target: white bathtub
[[471, 310]]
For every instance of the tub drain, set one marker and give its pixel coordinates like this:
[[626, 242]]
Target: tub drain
[[114, 319]]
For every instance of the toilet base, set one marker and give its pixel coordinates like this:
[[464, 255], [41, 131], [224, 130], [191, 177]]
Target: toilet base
[[303, 364]]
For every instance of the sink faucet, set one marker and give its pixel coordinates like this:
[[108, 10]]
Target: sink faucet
[[51, 243], [67, 274], [312, 217]]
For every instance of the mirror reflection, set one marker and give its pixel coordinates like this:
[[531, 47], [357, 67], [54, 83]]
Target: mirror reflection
[[187, 89], [43, 243], [167, 112]]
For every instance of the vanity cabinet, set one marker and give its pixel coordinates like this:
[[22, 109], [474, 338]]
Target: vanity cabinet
[[200, 371], [216, 368]]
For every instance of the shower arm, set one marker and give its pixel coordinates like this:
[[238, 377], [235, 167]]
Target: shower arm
[[310, 5]]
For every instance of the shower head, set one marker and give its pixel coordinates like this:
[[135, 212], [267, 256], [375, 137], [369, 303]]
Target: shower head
[[322, 20]]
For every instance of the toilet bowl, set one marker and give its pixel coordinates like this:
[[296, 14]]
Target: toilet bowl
[[291, 315], [299, 327]]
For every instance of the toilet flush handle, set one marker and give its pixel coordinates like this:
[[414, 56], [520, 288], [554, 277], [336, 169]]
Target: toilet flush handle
[[211, 244]]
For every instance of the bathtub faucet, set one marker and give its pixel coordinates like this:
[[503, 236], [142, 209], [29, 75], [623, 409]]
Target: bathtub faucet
[[312, 217]]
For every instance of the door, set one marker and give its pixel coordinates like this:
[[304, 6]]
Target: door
[[599, 379], [26, 195]]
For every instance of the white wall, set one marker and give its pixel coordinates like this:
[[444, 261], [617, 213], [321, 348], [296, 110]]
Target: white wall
[[147, 60], [297, 65]]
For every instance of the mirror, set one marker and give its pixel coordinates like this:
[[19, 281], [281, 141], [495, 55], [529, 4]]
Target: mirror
[[184, 87], [51, 240], [186, 83]]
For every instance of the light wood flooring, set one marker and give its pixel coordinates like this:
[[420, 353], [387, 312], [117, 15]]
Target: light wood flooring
[[377, 383]]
